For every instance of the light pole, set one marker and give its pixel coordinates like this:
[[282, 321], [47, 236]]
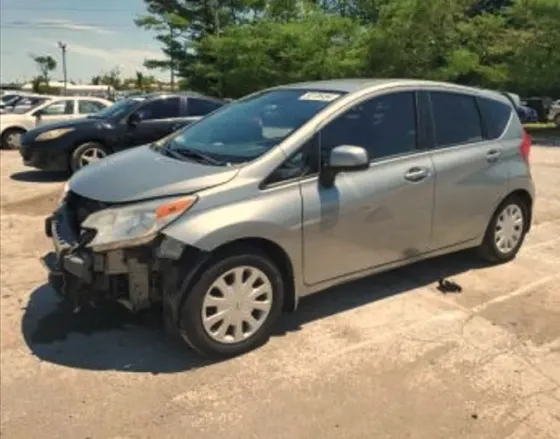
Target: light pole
[[63, 47]]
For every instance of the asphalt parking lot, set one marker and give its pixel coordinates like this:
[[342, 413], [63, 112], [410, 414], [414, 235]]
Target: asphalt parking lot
[[387, 357]]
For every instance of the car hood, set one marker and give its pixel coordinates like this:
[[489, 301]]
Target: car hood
[[143, 173]]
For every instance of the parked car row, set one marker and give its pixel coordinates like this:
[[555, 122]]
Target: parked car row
[[45, 110], [231, 220], [75, 142]]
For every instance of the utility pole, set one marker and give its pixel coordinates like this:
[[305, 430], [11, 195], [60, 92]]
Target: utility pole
[[63, 47]]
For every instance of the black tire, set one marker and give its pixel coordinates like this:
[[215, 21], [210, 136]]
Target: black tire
[[557, 121], [489, 250], [191, 327], [76, 161], [5, 142]]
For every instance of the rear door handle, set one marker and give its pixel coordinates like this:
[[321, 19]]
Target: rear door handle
[[416, 174], [493, 155]]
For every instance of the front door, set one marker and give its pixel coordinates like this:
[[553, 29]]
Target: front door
[[57, 111], [374, 217], [157, 119]]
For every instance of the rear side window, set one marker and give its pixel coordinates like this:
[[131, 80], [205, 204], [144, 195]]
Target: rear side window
[[201, 107], [456, 119], [496, 116]]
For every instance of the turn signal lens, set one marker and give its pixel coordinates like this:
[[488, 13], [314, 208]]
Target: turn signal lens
[[174, 208]]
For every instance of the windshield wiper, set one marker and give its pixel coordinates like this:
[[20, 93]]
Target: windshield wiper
[[194, 154]]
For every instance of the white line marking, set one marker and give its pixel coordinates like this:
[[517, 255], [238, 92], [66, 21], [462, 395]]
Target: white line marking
[[527, 288]]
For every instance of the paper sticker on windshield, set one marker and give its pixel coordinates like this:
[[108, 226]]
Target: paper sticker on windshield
[[318, 96]]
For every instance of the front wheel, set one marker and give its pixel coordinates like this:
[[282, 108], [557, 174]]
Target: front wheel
[[506, 231], [87, 154], [232, 307]]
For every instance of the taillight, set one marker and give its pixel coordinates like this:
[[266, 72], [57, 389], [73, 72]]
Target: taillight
[[526, 145]]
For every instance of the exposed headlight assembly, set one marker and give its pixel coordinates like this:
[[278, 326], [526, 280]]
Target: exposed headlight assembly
[[134, 225], [53, 134]]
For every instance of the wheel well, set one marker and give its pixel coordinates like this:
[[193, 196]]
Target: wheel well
[[526, 198], [14, 128], [278, 256]]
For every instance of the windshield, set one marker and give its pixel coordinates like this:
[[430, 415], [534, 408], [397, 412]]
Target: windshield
[[8, 97], [118, 109], [244, 130], [27, 104]]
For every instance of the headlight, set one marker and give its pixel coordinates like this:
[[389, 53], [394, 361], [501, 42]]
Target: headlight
[[53, 134], [134, 225]]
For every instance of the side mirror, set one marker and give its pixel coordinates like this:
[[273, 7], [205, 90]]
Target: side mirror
[[38, 114], [343, 158], [134, 119], [348, 158]]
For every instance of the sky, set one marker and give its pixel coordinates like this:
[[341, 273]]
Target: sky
[[100, 35]]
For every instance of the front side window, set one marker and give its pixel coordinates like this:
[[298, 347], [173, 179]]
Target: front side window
[[168, 108], [245, 129], [119, 109], [456, 119], [385, 126], [59, 108]]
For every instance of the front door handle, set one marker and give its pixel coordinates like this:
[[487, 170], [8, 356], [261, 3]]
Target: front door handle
[[493, 155], [416, 174]]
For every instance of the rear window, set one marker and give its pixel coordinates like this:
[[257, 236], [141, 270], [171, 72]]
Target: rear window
[[496, 116], [456, 119]]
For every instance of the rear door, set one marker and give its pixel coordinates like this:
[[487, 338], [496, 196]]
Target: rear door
[[57, 111], [471, 176]]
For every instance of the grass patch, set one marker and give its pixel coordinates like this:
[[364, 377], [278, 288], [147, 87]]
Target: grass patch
[[543, 129]]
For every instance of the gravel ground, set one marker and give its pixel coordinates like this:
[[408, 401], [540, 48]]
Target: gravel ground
[[386, 357]]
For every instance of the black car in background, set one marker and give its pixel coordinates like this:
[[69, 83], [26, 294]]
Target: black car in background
[[135, 121]]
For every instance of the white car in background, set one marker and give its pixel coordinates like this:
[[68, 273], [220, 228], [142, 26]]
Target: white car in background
[[14, 124], [554, 113]]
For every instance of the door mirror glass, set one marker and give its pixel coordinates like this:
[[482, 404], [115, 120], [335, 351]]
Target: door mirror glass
[[38, 113], [134, 119], [348, 158]]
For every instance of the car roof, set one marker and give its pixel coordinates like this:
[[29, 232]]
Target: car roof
[[187, 94], [354, 85]]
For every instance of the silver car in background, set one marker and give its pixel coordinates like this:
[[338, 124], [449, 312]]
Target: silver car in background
[[286, 192]]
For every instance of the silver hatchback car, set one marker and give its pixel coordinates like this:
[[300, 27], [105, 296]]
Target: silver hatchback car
[[286, 192]]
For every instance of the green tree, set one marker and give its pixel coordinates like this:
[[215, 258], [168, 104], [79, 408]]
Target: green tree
[[111, 78], [45, 64]]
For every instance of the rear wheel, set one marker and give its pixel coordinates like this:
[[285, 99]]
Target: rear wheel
[[557, 120], [87, 154], [232, 307], [11, 138], [506, 231]]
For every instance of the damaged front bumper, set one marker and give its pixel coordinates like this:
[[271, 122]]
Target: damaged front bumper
[[136, 276]]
